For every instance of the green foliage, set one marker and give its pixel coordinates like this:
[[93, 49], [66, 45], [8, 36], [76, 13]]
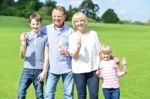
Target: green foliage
[[110, 17], [29, 9], [8, 11], [6, 2], [50, 4], [130, 41], [22, 8], [43, 11], [70, 13], [89, 9]]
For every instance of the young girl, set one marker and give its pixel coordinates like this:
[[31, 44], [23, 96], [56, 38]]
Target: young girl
[[109, 72]]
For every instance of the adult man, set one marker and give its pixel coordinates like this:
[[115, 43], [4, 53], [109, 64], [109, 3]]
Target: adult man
[[60, 61]]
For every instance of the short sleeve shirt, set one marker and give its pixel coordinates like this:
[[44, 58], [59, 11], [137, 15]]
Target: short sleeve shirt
[[34, 57]]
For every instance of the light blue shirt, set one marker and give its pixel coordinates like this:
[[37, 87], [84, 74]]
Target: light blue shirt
[[34, 57], [59, 64]]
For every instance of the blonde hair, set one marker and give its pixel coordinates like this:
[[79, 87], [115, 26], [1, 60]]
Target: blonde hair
[[105, 48], [78, 16]]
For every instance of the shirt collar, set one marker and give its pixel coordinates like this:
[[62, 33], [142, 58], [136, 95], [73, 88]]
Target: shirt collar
[[35, 34], [59, 29]]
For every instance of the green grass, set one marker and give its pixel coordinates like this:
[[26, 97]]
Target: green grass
[[131, 41]]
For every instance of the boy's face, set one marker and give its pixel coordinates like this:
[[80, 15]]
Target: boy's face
[[35, 25]]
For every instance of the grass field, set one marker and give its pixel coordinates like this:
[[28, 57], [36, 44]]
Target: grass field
[[131, 41]]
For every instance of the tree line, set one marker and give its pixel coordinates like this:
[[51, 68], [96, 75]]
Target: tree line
[[23, 8]]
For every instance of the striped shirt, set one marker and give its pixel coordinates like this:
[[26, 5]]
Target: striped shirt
[[59, 64], [109, 74]]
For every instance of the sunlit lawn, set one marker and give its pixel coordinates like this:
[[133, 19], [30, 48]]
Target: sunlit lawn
[[131, 41]]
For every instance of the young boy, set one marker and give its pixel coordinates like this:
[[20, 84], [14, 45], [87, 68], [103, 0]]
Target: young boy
[[34, 50]]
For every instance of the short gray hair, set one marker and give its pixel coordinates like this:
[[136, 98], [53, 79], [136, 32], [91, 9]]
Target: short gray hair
[[60, 8]]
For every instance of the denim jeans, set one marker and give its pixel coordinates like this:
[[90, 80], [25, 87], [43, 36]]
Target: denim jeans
[[28, 76], [111, 93], [87, 79], [51, 84]]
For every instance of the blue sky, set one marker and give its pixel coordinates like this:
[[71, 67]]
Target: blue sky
[[133, 10]]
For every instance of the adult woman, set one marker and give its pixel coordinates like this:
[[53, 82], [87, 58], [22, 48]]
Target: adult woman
[[84, 48]]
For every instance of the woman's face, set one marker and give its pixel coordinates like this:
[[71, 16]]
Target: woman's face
[[80, 24]]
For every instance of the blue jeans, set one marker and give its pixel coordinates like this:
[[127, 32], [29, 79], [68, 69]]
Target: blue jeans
[[87, 79], [28, 76], [51, 84], [111, 93]]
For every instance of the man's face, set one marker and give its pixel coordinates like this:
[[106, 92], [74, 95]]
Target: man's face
[[35, 26], [58, 18]]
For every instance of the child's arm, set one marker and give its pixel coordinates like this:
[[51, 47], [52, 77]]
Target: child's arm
[[122, 72], [99, 73], [22, 49], [23, 45], [45, 67]]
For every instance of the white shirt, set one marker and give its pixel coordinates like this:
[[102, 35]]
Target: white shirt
[[88, 59]]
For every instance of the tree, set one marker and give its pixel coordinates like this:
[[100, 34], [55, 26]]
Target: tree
[[50, 4], [26, 7], [44, 12], [110, 17], [7, 7], [89, 9], [70, 13]]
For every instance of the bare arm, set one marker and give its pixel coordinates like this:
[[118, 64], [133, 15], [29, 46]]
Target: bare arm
[[124, 69], [122, 72], [46, 59], [75, 54], [22, 50], [45, 66], [99, 73], [23, 45]]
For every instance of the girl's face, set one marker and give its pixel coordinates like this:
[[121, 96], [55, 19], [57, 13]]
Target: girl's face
[[106, 56], [35, 25]]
